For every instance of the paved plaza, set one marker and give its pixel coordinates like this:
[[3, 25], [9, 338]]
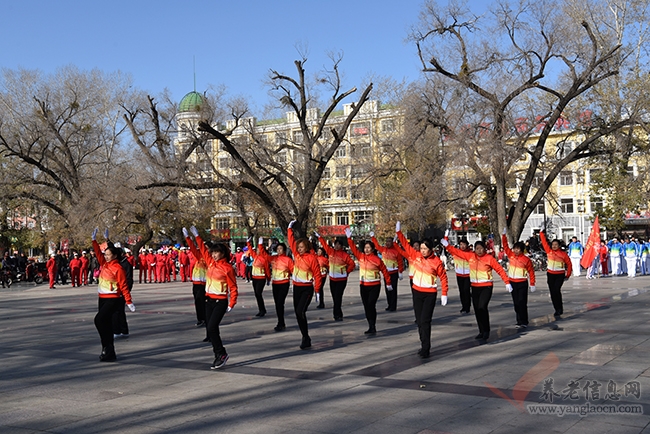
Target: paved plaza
[[595, 359]]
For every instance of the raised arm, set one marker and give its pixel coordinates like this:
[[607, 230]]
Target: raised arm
[[505, 246], [408, 249], [328, 249], [378, 246], [542, 238]]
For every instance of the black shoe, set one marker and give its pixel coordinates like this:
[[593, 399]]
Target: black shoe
[[306, 343], [200, 324], [219, 362], [207, 339], [486, 335], [479, 336], [557, 314], [279, 328], [338, 318], [371, 331], [260, 314], [107, 355], [320, 306], [424, 354], [387, 309]]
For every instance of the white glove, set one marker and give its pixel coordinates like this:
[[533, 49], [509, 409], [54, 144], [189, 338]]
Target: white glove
[[131, 307], [229, 309], [372, 234], [505, 231], [444, 242], [249, 239], [533, 289], [446, 233], [291, 223], [398, 226], [399, 276], [194, 231], [185, 233], [348, 232], [106, 233], [389, 287], [509, 287], [318, 297], [260, 241], [542, 227], [316, 234], [94, 235], [443, 300]]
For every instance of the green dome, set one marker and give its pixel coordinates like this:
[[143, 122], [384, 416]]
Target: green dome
[[191, 102]]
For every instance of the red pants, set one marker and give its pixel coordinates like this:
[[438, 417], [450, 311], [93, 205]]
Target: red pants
[[160, 273], [52, 275], [84, 275], [75, 275], [142, 272], [603, 264], [152, 273]]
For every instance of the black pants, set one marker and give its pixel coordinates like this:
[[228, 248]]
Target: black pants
[[423, 305], [465, 291], [248, 272], [555, 282], [369, 296], [337, 288], [302, 296], [215, 309], [62, 276], [120, 326], [104, 322], [520, 300], [258, 288], [321, 292], [391, 296], [280, 291], [198, 290], [481, 296]]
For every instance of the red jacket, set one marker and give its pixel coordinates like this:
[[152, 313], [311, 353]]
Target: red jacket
[[371, 267], [480, 267], [391, 256], [221, 282], [112, 279], [51, 265], [75, 264], [281, 267], [306, 270], [557, 261], [425, 270], [261, 266], [520, 267], [340, 263], [197, 264]]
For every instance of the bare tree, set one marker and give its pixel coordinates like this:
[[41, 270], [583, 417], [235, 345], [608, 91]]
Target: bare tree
[[505, 81]]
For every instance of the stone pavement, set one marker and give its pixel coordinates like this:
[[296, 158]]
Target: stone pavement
[[51, 380]]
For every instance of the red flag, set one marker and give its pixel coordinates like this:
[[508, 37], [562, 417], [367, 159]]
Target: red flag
[[593, 246]]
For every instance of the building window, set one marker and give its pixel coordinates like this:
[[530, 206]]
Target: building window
[[564, 149], [341, 171], [221, 223], [326, 219], [359, 171], [539, 209], [326, 194], [297, 137], [263, 139], [342, 219], [596, 204], [363, 217], [224, 200], [360, 129], [281, 157], [342, 150], [359, 193], [566, 178], [280, 139], [327, 173], [387, 126], [341, 193], [566, 206], [538, 180], [224, 163]]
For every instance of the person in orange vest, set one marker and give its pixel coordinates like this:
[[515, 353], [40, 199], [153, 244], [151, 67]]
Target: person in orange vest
[[51, 270], [558, 269], [340, 267], [220, 291], [394, 262], [324, 263], [85, 262], [427, 267], [306, 279], [260, 273], [75, 270], [371, 268], [481, 265], [520, 269]]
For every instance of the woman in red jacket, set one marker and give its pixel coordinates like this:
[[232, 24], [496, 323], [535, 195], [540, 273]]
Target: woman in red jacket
[[480, 275], [520, 269], [306, 279], [557, 271], [427, 267], [112, 286], [198, 271], [371, 268], [340, 265], [220, 290], [281, 271], [261, 274], [51, 270]]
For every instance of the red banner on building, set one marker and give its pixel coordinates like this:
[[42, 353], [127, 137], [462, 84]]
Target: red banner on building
[[592, 247]]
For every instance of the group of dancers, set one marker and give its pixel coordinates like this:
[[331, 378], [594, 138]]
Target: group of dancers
[[216, 291]]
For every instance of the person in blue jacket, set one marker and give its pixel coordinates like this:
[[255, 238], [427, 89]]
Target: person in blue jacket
[[645, 253], [575, 251], [631, 253], [615, 253]]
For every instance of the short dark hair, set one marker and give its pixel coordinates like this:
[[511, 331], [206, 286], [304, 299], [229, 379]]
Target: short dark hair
[[364, 243], [220, 247], [284, 246], [479, 243], [520, 245]]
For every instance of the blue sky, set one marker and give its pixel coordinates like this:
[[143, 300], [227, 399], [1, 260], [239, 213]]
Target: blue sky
[[234, 42]]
